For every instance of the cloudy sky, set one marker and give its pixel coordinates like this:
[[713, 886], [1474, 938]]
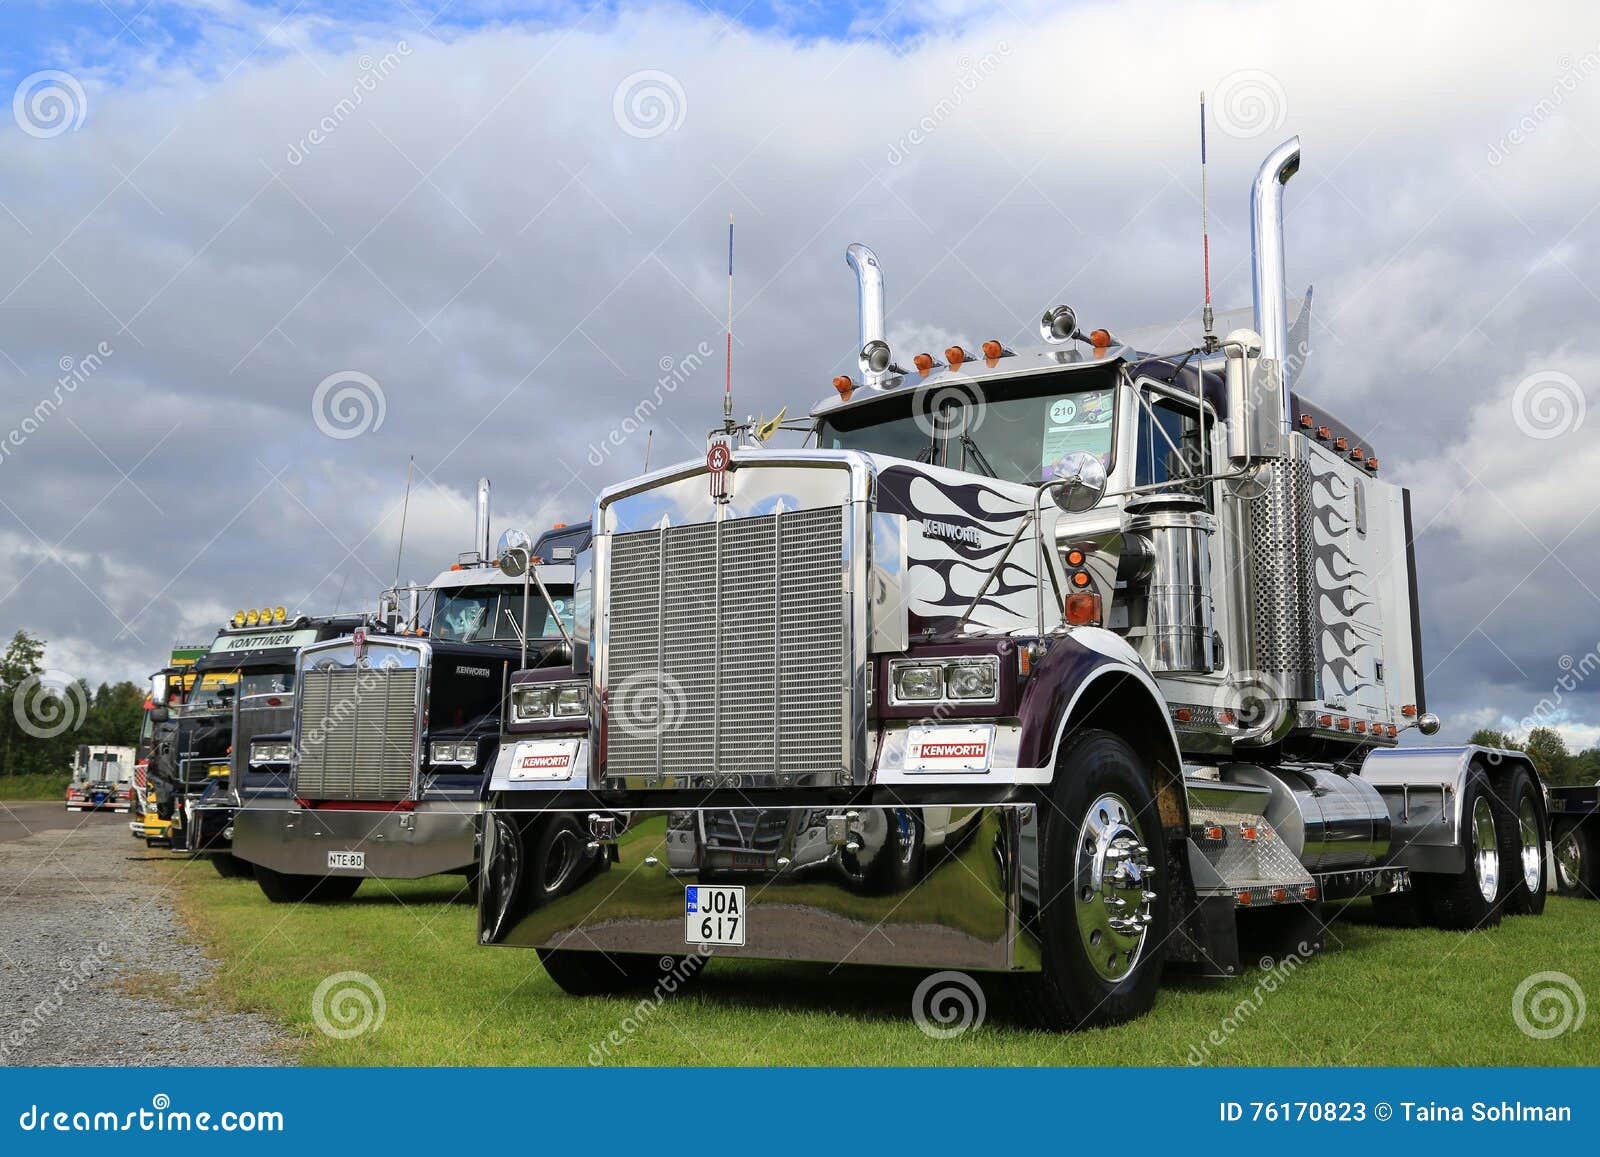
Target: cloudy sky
[[254, 257]]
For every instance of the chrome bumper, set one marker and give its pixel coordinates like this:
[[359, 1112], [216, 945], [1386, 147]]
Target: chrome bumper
[[822, 884], [402, 845]]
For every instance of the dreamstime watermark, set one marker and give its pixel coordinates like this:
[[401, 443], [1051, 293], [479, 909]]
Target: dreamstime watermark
[[970, 75], [649, 103], [348, 1004], [75, 371], [1249, 102], [372, 73], [1547, 404], [1575, 672], [50, 703], [948, 1004], [1572, 74], [676, 971], [76, 974], [1274, 975], [1548, 1004], [160, 1117], [49, 103], [348, 404], [647, 703], [1252, 702], [674, 372]]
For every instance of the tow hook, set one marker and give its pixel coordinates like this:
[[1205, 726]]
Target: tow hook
[[603, 829], [843, 830]]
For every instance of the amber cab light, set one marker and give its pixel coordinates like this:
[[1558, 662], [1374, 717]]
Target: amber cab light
[[993, 350], [1075, 557], [1100, 339], [923, 362], [845, 386], [1409, 710], [1080, 579], [1082, 609], [955, 355]]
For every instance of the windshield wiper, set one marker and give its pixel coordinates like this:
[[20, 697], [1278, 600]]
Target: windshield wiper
[[971, 447]]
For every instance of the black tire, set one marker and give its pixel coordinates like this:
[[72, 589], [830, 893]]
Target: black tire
[[1524, 869], [1577, 865], [1459, 902], [231, 867], [283, 888], [606, 974], [561, 859], [1077, 987]]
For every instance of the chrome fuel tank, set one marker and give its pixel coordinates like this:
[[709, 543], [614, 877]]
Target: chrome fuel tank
[[1330, 821]]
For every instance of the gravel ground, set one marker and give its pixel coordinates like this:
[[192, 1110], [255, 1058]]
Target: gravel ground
[[95, 968]]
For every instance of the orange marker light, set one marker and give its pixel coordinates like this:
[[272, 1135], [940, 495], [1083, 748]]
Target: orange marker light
[[1214, 832], [1306, 422], [1080, 579], [1357, 454], [1074, 557], [1183, 714], [1082, 609], [955, 355], [1324, 433], [1341, 443], [845, 386], [1361, 726], [923, 362], [1100, 339], [1311, 892], [1372, 464], [993, 350], [1409, 710], [1344, 724], [1325, 720], [1279, 895], [1225, 717]]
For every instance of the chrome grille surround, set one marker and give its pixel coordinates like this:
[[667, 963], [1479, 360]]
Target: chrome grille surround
[[358, 721], [730, 645]]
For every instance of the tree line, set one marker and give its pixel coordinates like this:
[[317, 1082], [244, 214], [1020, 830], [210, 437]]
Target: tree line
[[42, 722], [1549, 753]]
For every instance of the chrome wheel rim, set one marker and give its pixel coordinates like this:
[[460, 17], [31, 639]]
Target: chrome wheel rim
[[1569, 862], [1111, 897], [1485, 850], [905, 828], [1532, 845]]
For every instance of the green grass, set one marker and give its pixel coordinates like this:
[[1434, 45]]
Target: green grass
[[1381, 996], [35, 786]]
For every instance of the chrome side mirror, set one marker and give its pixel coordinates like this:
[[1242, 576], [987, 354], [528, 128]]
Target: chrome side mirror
[[1428, 723], [1080, 483], [514, 552]]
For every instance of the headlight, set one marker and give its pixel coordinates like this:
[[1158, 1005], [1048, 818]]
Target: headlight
[[549, 700], [918, 683], [973, 678], [268, 753], [957, 679], [453, 752]]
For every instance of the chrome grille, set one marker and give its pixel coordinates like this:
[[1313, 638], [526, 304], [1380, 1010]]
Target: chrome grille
[[1281, 580], [726, 648], [358, 732]]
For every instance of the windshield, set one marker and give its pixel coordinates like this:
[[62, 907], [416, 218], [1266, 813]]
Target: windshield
[[1023, 436], [212, 691], [492, 614]]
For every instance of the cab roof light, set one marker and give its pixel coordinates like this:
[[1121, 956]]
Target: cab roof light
[[845, 386], [1341, 443], [1372, 464], [1100, 339], [1306, 421], [924, 364], [1323, 433], [1358, 454], [994, 351], [955, 355]]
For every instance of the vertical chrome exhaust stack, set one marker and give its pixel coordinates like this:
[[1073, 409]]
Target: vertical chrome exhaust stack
[[1269, 283], [483, 544], [875, 358]]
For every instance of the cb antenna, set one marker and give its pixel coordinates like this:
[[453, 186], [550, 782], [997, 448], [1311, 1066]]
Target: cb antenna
[[1206, 318], [727, 394], [405, 509]]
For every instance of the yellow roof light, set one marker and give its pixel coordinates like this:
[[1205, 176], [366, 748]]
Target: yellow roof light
[[252, 617], [279, 614]]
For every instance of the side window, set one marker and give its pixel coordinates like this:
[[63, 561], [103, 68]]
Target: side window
[[1170, 445]]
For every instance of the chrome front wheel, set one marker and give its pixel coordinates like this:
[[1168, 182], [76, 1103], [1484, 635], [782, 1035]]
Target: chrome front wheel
[[1112, 900]]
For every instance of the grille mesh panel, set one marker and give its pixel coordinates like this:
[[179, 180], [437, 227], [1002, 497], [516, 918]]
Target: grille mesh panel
[[726, 648], [358, 730], [1281, 578]]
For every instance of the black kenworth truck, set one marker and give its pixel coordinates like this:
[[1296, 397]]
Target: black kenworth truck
[[383, 769], [241, 686]]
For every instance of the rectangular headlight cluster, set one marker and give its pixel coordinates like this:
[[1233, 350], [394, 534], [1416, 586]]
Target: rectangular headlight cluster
[[270, 752], [453, 752], [538, 701], [957, 679]]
